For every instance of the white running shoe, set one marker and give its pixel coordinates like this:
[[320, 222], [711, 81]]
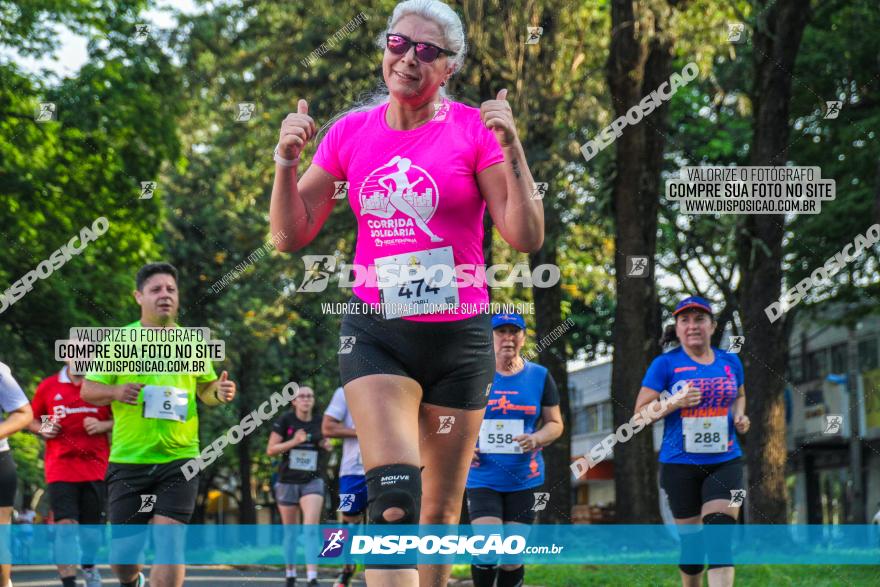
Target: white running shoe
[[92, 577]]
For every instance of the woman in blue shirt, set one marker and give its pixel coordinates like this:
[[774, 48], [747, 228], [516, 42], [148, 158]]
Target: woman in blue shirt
[[507, 471], [700, 459]]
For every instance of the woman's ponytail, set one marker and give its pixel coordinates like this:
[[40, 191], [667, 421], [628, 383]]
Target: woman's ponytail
[[669, 336]]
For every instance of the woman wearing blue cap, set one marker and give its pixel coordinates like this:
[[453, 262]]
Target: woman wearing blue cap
[[507, 470], [700, 459]]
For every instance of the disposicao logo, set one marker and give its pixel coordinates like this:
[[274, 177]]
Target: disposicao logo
[[334, 542]]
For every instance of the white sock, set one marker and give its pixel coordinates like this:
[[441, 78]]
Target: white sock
[[290, 572], [311, 575]]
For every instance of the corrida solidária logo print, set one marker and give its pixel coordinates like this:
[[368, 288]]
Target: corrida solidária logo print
[[403, 197]]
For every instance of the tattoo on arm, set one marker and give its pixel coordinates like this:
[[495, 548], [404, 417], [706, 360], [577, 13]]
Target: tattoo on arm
[[516, 171]]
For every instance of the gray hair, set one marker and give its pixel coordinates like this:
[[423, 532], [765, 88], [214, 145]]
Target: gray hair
[[454, 40]]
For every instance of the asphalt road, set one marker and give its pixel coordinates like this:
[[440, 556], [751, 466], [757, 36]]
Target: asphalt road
[[46, 576]]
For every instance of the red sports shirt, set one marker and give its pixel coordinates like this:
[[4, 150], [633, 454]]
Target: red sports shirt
[[73, 455]]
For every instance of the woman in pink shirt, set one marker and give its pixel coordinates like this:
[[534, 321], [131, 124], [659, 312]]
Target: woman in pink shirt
[[421, 169]]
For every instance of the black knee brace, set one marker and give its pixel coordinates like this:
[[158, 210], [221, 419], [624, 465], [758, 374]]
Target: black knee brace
[[512, 578], [484, 575], [394, 486], [692, 550], [719, 542]]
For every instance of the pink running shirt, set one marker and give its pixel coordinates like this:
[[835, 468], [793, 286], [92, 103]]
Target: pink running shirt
[[433, 168]]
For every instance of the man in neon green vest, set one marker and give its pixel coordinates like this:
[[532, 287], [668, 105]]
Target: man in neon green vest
[[145, 482]]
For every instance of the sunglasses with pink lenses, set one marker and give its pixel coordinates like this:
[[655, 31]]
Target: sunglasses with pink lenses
[[425, 52]]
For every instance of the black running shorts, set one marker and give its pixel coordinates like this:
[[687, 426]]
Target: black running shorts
[[454, 362], [84, 501], [8, 479], [137, 492], [510, 506], [690, 486]]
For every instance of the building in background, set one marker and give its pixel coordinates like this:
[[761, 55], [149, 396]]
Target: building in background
[[819, 424], [592, 420]]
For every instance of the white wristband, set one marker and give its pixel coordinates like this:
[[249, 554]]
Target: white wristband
[[285, 162]]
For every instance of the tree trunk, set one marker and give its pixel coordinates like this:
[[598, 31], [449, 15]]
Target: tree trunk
[[636, 66], [247, 511], [777, 39], [557, 456], [548, 301], [722, 319]]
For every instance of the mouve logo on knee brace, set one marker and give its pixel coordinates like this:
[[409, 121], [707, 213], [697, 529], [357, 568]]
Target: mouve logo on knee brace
[[392, 479]]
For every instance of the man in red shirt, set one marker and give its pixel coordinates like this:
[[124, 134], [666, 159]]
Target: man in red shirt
[[77, 451]]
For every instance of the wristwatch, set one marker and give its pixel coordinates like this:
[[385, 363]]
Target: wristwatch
[[284, 162]]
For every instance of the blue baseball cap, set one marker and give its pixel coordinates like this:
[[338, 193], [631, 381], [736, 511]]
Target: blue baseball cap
[[511, 318], [693, 302]]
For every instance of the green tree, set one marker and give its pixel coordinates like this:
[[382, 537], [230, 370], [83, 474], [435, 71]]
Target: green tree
[[115, 127], [778, 30]]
